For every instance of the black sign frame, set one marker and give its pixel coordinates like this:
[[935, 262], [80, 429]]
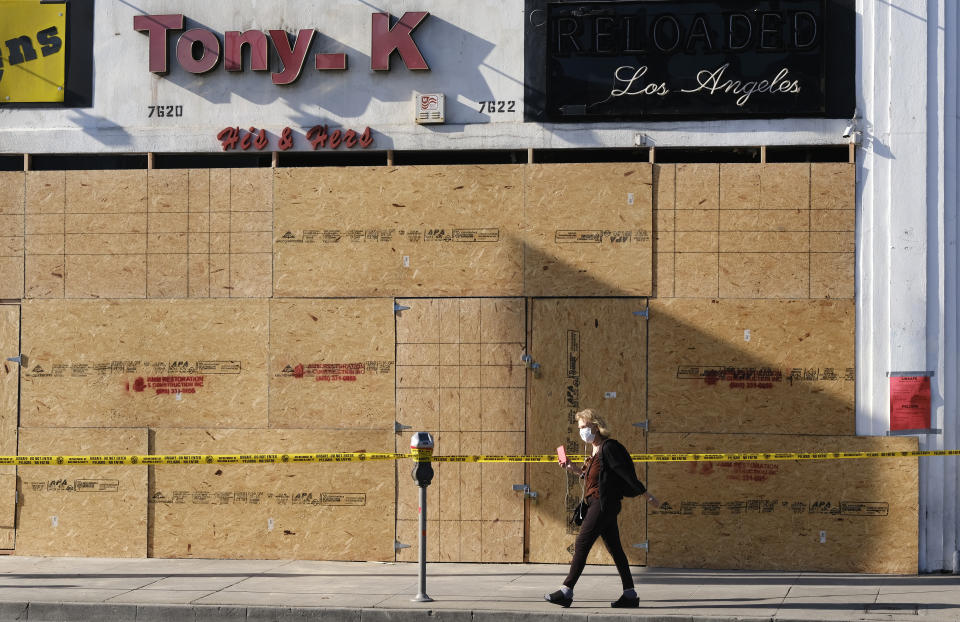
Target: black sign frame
[[599, 61]]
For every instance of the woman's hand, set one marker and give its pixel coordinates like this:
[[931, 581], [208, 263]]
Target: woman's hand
[[652, 500]]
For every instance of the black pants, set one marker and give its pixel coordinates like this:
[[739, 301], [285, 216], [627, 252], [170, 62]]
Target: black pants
[[599, 524]]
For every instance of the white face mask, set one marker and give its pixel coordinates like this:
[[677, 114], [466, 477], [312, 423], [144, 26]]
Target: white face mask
[[587, 435]]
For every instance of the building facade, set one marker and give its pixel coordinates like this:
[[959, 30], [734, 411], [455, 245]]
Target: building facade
[[310, 226]]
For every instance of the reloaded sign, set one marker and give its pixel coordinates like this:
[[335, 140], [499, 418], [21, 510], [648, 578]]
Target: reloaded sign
[[745, 58]]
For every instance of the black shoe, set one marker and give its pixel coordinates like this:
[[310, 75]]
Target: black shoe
[[558, 598], [625, 602]]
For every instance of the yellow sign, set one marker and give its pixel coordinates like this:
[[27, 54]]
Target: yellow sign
[[33, 51]]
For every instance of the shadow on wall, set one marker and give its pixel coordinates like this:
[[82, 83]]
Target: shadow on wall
[[735, 375]]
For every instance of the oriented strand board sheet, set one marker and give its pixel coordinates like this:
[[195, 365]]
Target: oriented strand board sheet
[[9, 393], [752, 366], [149, 234], [82, 511], [853, 515], [775, 231], [105, 234], [329, 511], [45, 234], [588, 229], [412, 230], [461, 376], [591, 354], [8, 507], [9, 378], [12, 191], [135, 363], [331, 364], [664, 229]]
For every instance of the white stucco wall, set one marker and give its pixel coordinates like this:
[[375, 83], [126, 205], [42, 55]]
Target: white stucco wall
[[907, 234]]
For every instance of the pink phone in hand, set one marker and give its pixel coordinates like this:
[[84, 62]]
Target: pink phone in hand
[[562, 454]]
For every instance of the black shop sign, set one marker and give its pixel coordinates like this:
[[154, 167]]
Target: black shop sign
[[694, 59]]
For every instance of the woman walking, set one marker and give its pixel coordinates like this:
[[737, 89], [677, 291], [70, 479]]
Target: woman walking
[[609, 476]]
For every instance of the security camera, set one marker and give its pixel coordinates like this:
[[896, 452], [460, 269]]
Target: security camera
[[849, 130]]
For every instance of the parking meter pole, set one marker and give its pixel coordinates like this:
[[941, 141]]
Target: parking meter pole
[[421, 445], [422, 573]]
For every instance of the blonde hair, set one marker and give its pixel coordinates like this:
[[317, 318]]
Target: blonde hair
[[589, 416]]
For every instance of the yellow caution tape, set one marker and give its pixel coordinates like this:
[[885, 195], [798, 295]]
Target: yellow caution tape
[[425, 456]]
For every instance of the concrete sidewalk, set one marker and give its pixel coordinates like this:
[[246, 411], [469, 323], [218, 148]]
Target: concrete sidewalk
[[157, 590]]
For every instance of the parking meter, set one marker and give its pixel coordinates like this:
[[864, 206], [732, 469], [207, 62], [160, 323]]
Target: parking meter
[[421, 445]]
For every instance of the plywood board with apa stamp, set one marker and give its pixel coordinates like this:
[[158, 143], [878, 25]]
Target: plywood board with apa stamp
[[138, 363], [82, 511], [847, 515], [330, 511], [461, 376], [758, 366], [588, 229], [385, 231], [332, 363], [586, 353]]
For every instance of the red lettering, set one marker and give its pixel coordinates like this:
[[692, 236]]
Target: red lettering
[[286, 141], [228, 137], [335, 138], [366, 139], [330, 62], [247, 138], [234, 41], [261, 140], [156, 27], [292, 58], [210, 50], [317, 135], [350, 139], [384, 40]]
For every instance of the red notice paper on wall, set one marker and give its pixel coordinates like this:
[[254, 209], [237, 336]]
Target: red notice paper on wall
[[909, 402]]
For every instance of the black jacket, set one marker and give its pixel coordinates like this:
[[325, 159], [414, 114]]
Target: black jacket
[[618, 478]]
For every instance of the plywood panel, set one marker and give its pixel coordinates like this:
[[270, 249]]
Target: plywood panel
[[460, 376], [9, 390], [833, 186], [808, 515], [82, 511], [331, 511], [765, 275], [591, 354], [134, 363], [431, 231], [770, 234], [106, 192], [331, 364], [696, 275], [832, 275], [9, 378], [12, 204], [758, 366], [588, 229], [44, 274]]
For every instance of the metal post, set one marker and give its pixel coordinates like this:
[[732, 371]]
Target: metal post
[[421, 444], [422, 573]]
